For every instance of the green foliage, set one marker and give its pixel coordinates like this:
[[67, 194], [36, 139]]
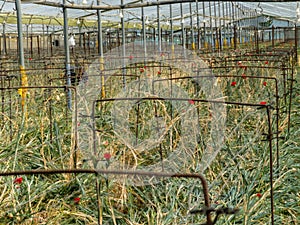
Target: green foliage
[[42, 138]]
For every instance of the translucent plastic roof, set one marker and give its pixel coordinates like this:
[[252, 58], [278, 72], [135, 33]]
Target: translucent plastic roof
[[39, 12]]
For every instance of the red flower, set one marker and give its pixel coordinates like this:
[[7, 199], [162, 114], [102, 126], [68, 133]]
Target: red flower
[[265, 83], [142, 70], [30, 59], [130, 57], [266, 62], [76, 200], [107, 156], [244, 76], [259, 195], [239, 63], [263, 103], [191, 102], [145, 67], [158, 73], [18, 180], [233, 83]]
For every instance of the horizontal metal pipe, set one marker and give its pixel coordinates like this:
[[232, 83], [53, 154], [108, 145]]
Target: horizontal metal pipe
[[182, 99], [117, 172], [135, 5]]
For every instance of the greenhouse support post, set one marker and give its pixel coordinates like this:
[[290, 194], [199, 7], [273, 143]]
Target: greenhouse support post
[[296, 42], [67, 56], [204, 24], [144, 33], [158, 29], [182, 30], [192, 28], [4, 39], [273, 36], [171, 29], [211, 27], [100, 48], [20, 33], [123, 46]]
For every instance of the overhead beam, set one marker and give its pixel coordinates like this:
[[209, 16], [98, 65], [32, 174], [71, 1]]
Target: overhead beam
[[134, 5]]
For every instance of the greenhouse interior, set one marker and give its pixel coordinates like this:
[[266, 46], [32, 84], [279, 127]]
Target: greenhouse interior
[[151, 112]]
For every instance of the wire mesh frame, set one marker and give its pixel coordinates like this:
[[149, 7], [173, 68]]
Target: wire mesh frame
[[73, 152], [276, 95], [151, 174], [104, 99], [269, 136], [287, 72]]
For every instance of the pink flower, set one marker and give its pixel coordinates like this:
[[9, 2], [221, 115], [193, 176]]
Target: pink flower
[[233, 83], [265, 83], [76, 200], [263, 103], [18, 180], [244, 76], [107, 156], [192, 102], [142, 70], [105, 143], [130, 57]]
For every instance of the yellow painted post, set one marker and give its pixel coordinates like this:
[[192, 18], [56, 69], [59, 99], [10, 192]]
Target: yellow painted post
[[205, 45], [23, 91], [102, 77], [224, 42], [193, 46], [217, 44], [173, 50]]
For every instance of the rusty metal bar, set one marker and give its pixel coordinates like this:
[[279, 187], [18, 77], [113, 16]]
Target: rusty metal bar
[[269, 138], [121, 172]]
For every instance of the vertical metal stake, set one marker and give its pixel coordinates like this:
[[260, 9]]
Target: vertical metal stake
[[67, 56], [270, 137]]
